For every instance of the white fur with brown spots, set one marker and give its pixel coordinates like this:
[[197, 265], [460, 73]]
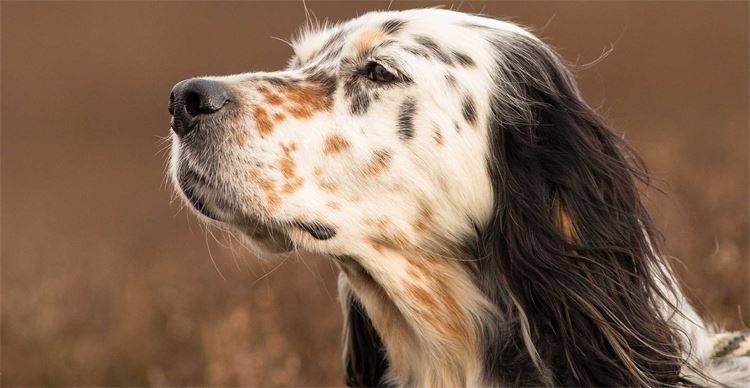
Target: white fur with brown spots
[[372, 148]]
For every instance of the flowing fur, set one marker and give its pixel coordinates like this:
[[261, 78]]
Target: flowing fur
[[570, 252], [491, 236]]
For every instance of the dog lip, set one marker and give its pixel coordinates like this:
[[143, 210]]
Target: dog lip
[[188, 181], [197, 203], [316, 229], [188, 175]]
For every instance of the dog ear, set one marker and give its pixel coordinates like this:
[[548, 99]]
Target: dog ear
[[570, 252], [365, 360]]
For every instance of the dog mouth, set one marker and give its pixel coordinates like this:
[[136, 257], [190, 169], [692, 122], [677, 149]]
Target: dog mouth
[[203, 197], [192, 184], [317, 230]]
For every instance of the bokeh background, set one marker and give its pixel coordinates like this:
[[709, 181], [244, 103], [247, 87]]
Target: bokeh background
[[105, 282]]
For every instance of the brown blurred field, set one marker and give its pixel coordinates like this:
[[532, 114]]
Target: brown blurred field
[[105, 283]]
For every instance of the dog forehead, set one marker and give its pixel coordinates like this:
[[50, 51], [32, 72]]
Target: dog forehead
[[434, 23]]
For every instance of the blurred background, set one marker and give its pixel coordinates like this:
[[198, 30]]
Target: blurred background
[[105, 282]]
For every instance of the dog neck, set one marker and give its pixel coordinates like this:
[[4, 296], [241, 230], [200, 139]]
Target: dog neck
[[427, 311]]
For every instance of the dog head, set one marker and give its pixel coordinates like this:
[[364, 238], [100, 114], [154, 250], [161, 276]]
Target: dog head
[[436, 131], [375, 133]]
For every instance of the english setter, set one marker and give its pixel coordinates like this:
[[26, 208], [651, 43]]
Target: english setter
[[486, 221]]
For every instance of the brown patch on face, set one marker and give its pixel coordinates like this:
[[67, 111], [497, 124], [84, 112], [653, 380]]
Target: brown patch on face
[[367, 39], [377, 247], [273, 200], [293, 185], [424, 217], [328, 186], [378, 163], [274, 99], [382, 223], [270, 97], [400, 240], [387, 233], [335, 144], [286, 163], [333, 205], [266, 185], [305, 99], [262, 121], [300, 100], [438, 136], [239, 136], [299, 112], [324, 184], [287, 166]]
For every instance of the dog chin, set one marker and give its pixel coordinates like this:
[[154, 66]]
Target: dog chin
[[267, 240], [263, 238]]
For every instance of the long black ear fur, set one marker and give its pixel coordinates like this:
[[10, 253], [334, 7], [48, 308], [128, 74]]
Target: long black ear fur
[[364, 358], [570, 254]]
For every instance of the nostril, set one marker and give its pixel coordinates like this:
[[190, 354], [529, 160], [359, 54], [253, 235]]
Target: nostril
[[193, 103], [192, 98]]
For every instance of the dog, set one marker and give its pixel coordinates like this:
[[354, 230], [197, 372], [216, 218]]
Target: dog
[[486, 221]]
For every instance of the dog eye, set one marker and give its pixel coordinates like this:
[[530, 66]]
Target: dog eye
[[376, 72]]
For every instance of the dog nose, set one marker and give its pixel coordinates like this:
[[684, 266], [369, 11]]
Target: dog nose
[[192, 98]]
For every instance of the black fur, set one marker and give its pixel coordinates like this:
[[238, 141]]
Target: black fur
[[333, 47], [406, 119], [324, 79], [418, 51], [434, 48], [393, 26], [451, 80], [355, 90], [584, 294], [281, 81], [462, 58], [360, 103], [469, 110], [358, 88], [365, 359]]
